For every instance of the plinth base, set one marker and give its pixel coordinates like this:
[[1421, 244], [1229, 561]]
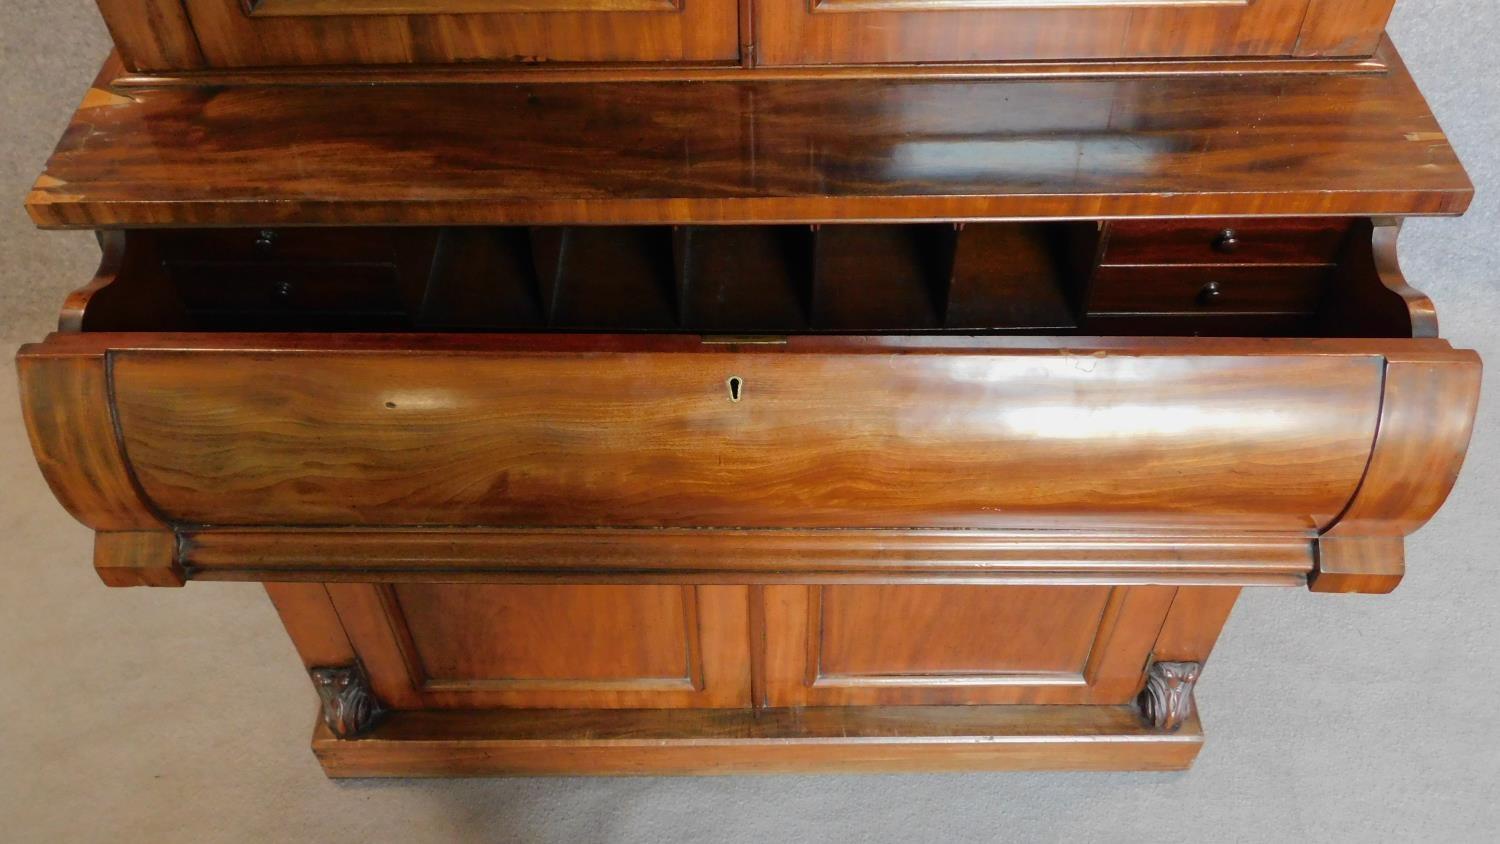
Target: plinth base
[[745, 741]]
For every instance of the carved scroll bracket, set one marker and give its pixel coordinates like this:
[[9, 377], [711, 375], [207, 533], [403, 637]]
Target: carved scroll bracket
[[1167, 701], [349, 704]]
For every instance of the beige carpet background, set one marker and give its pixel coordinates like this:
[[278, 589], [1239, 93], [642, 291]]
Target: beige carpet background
[[182, 715]]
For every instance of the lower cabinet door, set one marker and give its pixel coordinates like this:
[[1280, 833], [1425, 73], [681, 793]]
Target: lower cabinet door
[[861, 645], [477, 646]]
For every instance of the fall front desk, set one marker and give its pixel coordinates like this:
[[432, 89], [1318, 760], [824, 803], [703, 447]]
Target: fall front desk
[[695, 386]]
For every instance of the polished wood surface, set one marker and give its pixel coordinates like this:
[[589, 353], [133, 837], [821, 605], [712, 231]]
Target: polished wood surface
[[752, 152], [76, 447], [703, 30], [1407, 479], [658, 555], [1309, 240], [740, 741], [636, 432], [856, 31], [153, 33], [160, 35], [900, 645], [195, 449], [590, 646]]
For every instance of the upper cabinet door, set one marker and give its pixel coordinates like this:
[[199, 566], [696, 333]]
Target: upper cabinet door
[[258, 33], [812, 32]]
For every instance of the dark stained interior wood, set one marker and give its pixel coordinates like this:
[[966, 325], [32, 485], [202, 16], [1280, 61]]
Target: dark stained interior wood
[[1014, 278], [741, 152]]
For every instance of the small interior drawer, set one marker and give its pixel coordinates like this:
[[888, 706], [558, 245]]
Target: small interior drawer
[[279, 295], [1287, 241], [1211, 289]]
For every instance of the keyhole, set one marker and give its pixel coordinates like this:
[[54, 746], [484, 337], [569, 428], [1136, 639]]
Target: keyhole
[[736, 386]]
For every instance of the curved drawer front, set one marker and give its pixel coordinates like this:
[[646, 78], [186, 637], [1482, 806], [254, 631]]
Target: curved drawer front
[[836, 432]]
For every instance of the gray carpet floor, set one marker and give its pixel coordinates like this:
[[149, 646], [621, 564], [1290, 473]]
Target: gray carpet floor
[[182, 715]]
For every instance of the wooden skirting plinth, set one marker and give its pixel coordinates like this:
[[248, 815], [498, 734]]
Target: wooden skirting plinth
[[745, 741]]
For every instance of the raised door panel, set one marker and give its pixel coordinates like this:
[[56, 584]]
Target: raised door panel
[[433, 645], [862, 645], [322, 32], [810, 32]]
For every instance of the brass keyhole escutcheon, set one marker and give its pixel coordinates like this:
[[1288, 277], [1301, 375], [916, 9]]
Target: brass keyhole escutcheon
[[736, 386]]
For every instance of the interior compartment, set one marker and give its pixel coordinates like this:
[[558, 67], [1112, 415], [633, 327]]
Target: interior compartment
[[1052, 278]]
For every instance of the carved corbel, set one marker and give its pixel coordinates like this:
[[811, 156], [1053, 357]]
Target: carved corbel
[[1167, 701], [349, 704]]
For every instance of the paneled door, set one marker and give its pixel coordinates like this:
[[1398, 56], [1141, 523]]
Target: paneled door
[[249, 33], [482, 646], [867, 645], [812, 32]]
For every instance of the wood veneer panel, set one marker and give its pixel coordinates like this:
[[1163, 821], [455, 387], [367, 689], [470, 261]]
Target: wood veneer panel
[[1311, 240], [470, 636], [753, 152], [313, 624], [906, 632], [628, 432], [918, 645], [65, 402], [152, 34], [1426, 420], [429, 646], [857, 31], [1343, 27], [1193, 623], [703, 30]]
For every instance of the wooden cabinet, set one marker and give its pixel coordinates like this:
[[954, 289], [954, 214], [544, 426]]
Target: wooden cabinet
[[738, 419]]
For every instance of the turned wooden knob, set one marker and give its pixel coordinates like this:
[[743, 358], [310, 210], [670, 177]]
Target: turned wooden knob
[[1211, 293], [1227, 241]]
